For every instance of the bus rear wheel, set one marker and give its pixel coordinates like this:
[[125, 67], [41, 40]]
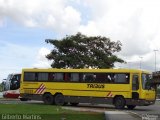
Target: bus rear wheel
[[74, 104], [59, 99], [131, 107], [48, 98], [23, 99], [119, 102]]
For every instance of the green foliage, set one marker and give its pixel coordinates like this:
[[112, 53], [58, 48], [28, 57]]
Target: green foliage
[[79, 51], [0, 87]]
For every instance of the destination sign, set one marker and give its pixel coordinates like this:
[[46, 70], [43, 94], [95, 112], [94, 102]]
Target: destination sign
[[95, 85]]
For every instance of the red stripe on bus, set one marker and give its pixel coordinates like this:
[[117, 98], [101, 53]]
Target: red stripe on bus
[[42, 86], [109, 94], [42, 90], [38, 88]]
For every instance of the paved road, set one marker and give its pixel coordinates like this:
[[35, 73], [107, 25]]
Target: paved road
[[141, 111], [150, 110], [17, 101]]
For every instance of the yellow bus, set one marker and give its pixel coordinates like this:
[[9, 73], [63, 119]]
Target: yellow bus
[[120, 87]]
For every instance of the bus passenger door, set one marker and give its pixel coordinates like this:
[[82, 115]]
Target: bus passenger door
[[135, 86]]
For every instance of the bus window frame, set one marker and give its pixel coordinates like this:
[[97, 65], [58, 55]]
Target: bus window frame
[[81, 75]]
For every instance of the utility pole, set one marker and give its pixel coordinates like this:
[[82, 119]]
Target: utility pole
[[155, 58]]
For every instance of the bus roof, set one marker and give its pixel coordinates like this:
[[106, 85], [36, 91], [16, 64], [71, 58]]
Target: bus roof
[[84, 70]]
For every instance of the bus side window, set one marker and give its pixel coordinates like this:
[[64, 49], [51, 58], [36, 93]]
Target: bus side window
[[135, 82], [42, 76], [29, 76], [81, 77], [51, 77], [74, 77], [110, 78], [121, 78], [67, 77], [59, 77], [101, 78], [89, 77]]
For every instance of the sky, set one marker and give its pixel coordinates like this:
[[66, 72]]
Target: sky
[[25, 24]]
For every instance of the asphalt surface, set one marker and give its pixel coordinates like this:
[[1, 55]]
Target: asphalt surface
[[17, 101], [110, 111]]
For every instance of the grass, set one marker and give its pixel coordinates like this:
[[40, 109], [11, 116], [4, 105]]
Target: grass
[[45, 112]]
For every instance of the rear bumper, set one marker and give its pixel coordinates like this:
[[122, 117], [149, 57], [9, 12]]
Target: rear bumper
[[31, 96]]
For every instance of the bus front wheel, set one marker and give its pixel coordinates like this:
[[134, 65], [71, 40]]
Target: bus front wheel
[[59, 99], [48, 98], [131, 107], [74, 104], [119, 102]]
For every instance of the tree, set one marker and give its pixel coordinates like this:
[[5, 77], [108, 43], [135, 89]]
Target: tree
[[0, 87], [79, 51]]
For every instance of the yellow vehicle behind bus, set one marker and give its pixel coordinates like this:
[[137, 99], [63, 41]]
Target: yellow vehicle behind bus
[[120, 87]]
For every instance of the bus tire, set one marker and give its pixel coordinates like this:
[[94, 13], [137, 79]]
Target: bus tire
[[23, 99], [59, 99], [66, 103], [48, 99], [119, 102], [131, 107], [74, 104]]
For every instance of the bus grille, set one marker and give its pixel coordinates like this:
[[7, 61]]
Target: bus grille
[[28, 91]]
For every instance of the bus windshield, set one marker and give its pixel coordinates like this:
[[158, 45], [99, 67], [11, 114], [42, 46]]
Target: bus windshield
[[15, 82], [146, 81]]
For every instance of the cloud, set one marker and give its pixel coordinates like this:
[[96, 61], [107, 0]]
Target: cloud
[[135, 23], [1, 23], [41, 60], [56, 15]]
